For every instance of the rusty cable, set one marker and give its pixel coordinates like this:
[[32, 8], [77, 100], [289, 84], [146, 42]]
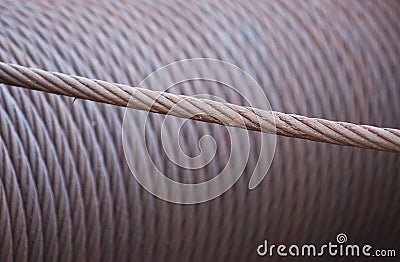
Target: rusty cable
[[290, 125], [306, 54]]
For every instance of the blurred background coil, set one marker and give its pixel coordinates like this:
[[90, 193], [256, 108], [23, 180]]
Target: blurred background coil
[[67, 193]]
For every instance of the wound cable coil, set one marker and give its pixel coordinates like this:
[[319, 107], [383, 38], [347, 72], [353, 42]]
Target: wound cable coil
[[66, 193]]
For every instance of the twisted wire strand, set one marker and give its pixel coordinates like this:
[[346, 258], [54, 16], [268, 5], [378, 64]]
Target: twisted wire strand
[[290, 125], [305, 55]]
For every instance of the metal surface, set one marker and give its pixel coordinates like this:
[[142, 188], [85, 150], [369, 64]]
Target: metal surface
[[66, 192]]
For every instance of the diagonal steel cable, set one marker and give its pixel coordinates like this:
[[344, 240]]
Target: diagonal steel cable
[[290, 125]]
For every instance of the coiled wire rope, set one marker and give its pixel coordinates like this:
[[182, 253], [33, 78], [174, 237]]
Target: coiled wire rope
[[66, 192]]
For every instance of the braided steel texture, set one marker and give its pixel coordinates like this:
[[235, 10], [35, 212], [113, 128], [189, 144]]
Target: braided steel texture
[[66, 192], [205, 110]]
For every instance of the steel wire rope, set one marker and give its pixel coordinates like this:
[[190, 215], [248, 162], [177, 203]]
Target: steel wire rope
[[342, 133]]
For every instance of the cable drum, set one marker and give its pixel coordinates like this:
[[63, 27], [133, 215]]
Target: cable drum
[[67, 190]]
